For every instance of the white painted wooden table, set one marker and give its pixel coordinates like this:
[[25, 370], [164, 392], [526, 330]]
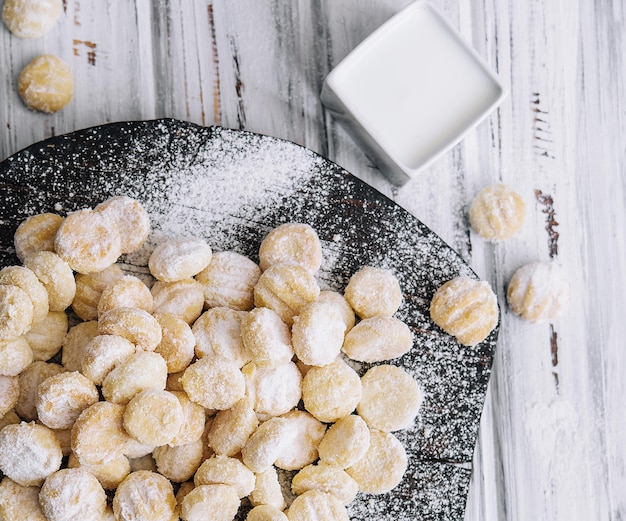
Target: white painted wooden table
[[552, 436]]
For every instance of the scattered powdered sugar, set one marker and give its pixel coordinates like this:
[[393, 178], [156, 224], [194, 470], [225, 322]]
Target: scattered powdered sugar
[[230, 188]]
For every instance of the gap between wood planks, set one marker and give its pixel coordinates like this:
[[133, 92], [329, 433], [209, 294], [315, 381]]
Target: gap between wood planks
[[547, 202]]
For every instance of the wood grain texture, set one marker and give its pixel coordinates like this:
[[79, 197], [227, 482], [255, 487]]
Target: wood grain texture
[[550, 445]]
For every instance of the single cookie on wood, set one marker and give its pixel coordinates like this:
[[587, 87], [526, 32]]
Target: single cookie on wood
[[46, 84], [497, 212], [29, 19], [538, 291]]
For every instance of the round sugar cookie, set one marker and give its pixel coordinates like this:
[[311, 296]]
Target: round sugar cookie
[[46, 84], [226, 471], [317, 334], [130, 218], [332, 391], [98, 435], [29, 453], [214, 382], [373, 292], [9, 393], [382, 467], [267, 443], [266, 338], [178, 463], [88, 241], [27, 280], [497, 212], [30, 378], [326, 478], [268, 490], [16, 312], [229, 281], [315, 504], [538, 291], [220, 500], [466, 309], [134, 324], [232, 427], [56, 276], [89, 288], [345, 442], [15, 356], [179, 258], [286, 289], [72, 494], [291, 243], [61, 398], [378, 339], [153, 417], [218, 333], [18, 502], [126, 292], [273, 390], [46, 337], [102, 354], [29, 19], [109, 474], [302, 451], [266, 513], [36, 233], [183, 298], [391, 398], [140, 371], [144, 495], [177, 346]]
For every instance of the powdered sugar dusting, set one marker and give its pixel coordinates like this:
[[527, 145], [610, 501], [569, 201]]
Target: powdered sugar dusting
[[231, 188]]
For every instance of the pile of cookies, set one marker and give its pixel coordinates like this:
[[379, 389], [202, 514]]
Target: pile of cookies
[[184, 398]]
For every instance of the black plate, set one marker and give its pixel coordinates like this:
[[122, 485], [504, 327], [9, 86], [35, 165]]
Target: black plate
[[231, 187]]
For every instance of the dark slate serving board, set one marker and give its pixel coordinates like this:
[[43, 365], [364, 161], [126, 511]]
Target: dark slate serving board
[[231, 187]]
